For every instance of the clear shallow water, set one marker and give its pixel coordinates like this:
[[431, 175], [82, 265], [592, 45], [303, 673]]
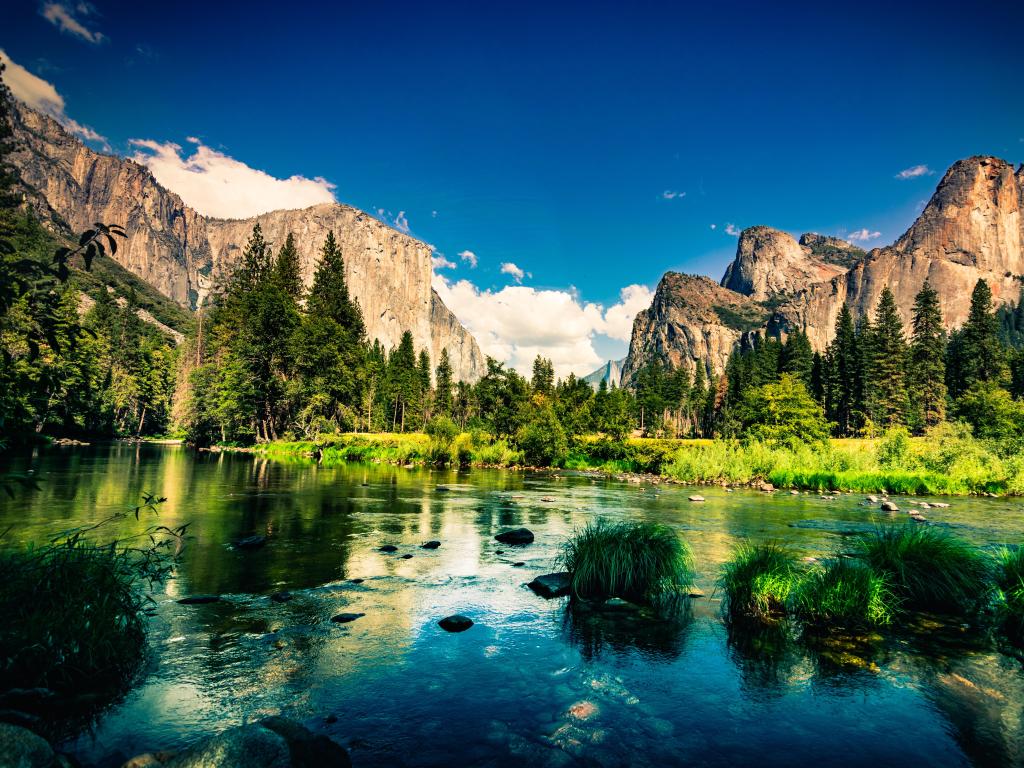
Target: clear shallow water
[[529, 683]]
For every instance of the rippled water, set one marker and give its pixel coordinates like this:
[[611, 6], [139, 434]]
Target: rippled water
[[529, 683]]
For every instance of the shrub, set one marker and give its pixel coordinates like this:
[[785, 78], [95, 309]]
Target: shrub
[[758, 581], [844, 593], [927, 568], [542, 439], [783, 413], [894, 448], [1009, 579], [442, 432], [639, 562]]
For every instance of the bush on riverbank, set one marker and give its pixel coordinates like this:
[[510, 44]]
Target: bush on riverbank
[[928, 568], [758, 581], [639, 562]]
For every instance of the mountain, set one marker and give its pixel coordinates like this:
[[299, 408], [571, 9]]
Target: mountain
[[972, 228], [610, 372], [185, 255]]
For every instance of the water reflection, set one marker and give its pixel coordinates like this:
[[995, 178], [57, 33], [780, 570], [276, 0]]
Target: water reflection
[[658, 637]]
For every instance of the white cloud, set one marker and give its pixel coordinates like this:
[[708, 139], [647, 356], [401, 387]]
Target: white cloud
[[218, 185], [43, 97], [65, 18], [863, 235], [732, 229], [517, 323], [440, 262], [914, 171], [470, 257], [433, 214], [671, 194], [714, 226], [508, 268], [401, 223]]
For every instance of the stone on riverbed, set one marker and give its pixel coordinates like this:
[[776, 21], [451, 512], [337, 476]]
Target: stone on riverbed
[[430, 545], [387, 548], [551, 584], [515, 536], [873, 499], [251, 542], [696, 498], [281, 597], [272, 743], [199, 599], [21, 748], [346, 618], [940, 505], [456, 623], [888, 506]]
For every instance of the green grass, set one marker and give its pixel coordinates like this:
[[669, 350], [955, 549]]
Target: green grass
[[1009, 581], [758, 581], [844, 593], [72, 617], [928, 568], [639, 562]]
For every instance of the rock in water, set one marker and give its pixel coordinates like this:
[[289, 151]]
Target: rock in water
[[456, 623], [346, 618], [430, 545], [251, 542], [281, 597], [696, 498], [20, 748], [551, 584], [272, 743], [888, 506], [308, 749], [199, 599], [387, 548], [516, 536]]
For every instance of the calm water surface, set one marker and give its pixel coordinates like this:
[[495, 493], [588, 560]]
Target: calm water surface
[[529, 684]]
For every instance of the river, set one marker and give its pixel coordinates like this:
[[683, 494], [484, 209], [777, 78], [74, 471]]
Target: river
[[529, 683]]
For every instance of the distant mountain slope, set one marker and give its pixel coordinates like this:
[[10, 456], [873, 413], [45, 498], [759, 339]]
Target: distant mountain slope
[[184, 255], [610, 372], [972, 228]]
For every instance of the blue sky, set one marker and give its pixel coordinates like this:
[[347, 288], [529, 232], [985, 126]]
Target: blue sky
[[593, 146]]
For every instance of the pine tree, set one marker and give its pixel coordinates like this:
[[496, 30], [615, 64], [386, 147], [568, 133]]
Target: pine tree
[[926, 374], [443, 386], [329, 294], [840, 373], [287, 272], [543, 381], [256, 262], [977, 355], [885, 375], [798, 357]]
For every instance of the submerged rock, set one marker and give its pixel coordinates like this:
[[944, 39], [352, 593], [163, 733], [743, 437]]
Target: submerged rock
[[272, 743], [346, 618], [251, 542], [307, 749], [551, 584], [20, 748], [456, 623], [281, 597], [387, 548], [516, 536], [616, 604], [199, 599], [407, 556], [430, 545]]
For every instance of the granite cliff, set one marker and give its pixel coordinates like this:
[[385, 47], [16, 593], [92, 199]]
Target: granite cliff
[[972, 228], [185, 255]]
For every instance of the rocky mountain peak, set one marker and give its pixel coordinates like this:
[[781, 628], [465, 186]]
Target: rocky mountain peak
[[769, 262]]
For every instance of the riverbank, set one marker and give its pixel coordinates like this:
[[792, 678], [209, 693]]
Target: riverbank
[[948, 462]]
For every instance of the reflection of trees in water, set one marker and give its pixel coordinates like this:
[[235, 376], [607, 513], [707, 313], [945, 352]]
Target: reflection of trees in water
[[768, 658], [595, 633]]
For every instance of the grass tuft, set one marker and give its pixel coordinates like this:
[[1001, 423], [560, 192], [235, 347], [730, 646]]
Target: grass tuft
[[1009, 580], [758, 581], [844, 593], [640, 562], [928, 568]]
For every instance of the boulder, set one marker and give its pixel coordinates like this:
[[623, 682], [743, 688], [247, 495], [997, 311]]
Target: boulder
[[551, 584], [346, 618], [456, 623], [20, 748], [272, 743], [251, 542], [199, 599], [888, 506], [430, 545], [516, 536], [308, 749]]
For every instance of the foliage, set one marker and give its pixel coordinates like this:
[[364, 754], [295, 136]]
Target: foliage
[[758, 580], [783, 414], [844, 593], [542, 438], [1009, 581], [894, 448], [442, 432], [640, 562], [927, 568]]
